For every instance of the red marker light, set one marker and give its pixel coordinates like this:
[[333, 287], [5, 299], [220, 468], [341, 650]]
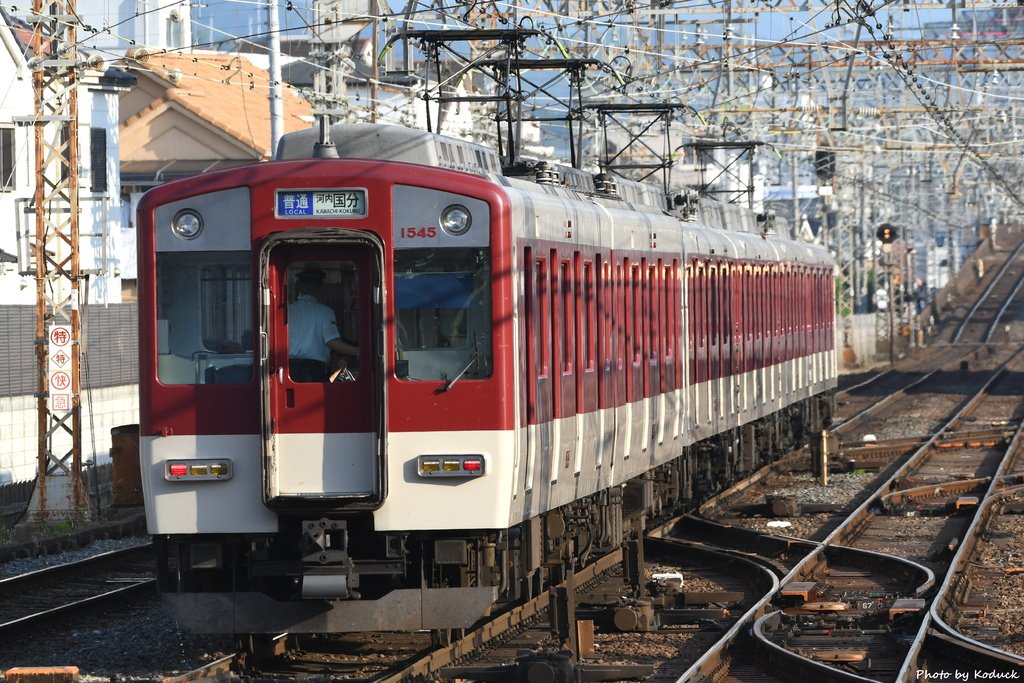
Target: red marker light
[[177, 469], [472, 465]]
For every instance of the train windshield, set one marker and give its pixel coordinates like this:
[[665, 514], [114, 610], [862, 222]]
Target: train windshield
[[443, 313], [204, 318]]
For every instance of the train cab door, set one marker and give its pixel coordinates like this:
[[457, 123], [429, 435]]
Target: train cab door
[[321, 368]]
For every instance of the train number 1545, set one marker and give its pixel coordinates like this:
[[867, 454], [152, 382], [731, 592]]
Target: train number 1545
[[418, 233]]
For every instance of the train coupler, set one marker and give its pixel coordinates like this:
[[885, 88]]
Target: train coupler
[[327, 569]]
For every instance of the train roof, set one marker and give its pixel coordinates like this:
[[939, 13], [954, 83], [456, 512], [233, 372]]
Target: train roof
[[394, 143], [409, 145], [414, 146]]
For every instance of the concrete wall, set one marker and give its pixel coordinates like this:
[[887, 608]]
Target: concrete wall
[[102, 409], [859, 336]]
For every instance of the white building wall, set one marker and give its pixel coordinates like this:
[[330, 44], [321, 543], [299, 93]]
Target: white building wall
[[102, 217], [16, 100], [102, 409], [133, 23], [101, 220]]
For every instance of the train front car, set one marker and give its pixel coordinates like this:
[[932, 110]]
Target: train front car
[[284, 486]]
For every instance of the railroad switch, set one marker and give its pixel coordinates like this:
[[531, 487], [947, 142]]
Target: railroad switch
[[966, 502], [804, 590], [629, 616], [906, 606], [546, 666], [635, 615]]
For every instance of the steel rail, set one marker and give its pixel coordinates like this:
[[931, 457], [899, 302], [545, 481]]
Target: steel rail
[[1006, 304], [16, 585], [496, 627], [91, 601], [988, 290], [963, 553], [877, 407], [215, 670], [18, 581], [715, 654]]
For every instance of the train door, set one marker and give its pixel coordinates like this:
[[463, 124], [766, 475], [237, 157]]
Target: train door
[[323, 414]]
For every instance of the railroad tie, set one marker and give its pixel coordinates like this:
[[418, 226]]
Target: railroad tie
[[42, 674]]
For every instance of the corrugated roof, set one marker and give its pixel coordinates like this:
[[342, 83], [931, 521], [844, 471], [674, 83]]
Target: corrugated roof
[[228, 91]]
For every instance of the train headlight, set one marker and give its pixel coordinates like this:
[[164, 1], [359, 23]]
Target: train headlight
[[187, 224], [450, 465], [455, 220], [197, 470]]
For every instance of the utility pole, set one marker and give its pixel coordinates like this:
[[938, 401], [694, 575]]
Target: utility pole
[[59, 491], [274, 45]]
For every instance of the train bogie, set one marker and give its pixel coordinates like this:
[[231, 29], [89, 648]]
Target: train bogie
[[517, 373]]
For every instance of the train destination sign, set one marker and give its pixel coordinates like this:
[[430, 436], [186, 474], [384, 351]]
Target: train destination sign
[[347, 203]]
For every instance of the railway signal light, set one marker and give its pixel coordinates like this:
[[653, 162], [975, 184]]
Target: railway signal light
[[886, 233]]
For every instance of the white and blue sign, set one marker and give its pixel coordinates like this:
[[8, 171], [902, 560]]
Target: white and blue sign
[[339, 203]]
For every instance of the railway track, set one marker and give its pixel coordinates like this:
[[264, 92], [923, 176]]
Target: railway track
[[842, 611], [978, 604], [39, 597], [982, 321]]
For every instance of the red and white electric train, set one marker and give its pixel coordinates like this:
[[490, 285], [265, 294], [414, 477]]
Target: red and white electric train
[[544, 362]]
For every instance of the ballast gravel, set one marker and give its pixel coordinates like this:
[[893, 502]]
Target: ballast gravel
[[132, 643]]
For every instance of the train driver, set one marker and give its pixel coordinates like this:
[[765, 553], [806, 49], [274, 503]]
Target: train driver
[[313, 332]]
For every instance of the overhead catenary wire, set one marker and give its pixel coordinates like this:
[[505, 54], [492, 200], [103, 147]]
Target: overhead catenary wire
[[755, 47]]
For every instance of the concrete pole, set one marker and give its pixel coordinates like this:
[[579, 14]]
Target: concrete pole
[[276, 103]]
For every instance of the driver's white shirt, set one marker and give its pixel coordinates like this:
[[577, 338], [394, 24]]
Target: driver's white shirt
[[310, 326]]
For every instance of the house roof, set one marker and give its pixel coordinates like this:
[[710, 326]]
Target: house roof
[[228, 93]]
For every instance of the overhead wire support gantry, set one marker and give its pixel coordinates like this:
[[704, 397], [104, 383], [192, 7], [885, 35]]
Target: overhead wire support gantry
[[650, 114], [712, 169], [55, 67], [507, 66]]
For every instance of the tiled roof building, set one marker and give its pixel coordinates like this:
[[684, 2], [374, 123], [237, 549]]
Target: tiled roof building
[[194, 112]]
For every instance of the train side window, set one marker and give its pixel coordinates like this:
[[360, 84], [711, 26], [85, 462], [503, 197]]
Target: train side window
[[713, 318], [443, 313], [568, 315], [636, 278], [542, 287], [673, 304], [629, 320], [691, 321], [726, 308], [204, 317], [619, 331], [587, 288], [656, 313], [822, 309], [776, 323], [605, 311], [668, 314], [759, 315]]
